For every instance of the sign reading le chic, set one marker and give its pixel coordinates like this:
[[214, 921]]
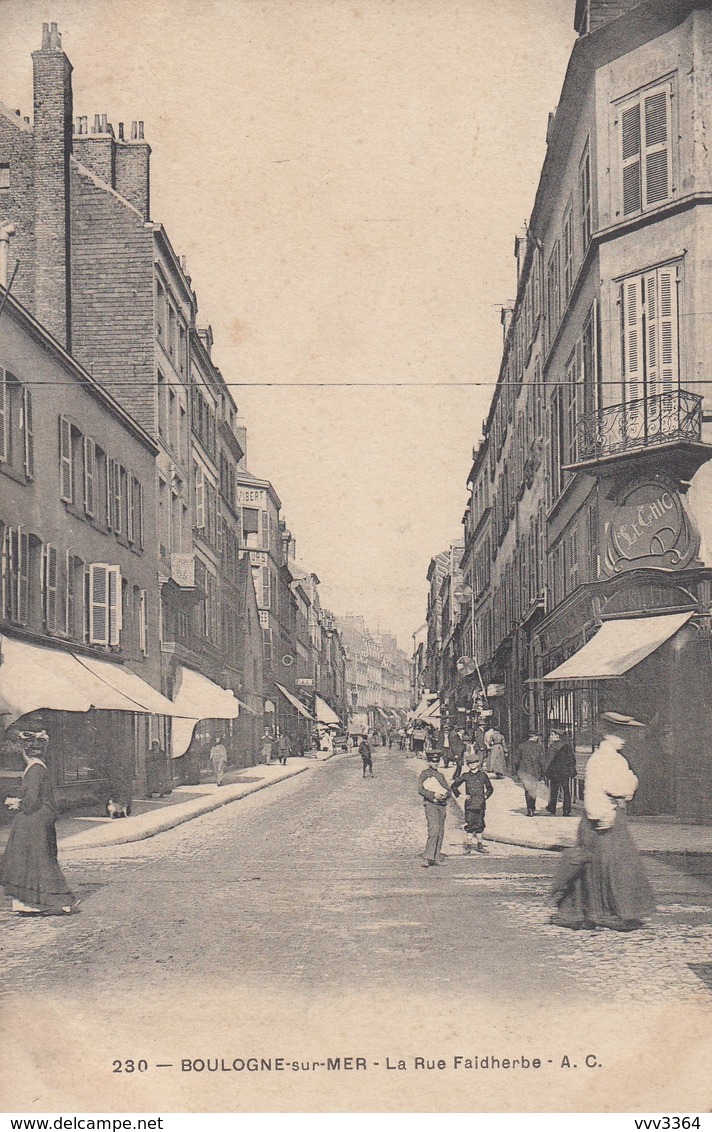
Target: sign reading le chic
[[650, 527]]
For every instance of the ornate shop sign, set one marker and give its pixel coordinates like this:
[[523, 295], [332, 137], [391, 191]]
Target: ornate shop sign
[[650, 527]]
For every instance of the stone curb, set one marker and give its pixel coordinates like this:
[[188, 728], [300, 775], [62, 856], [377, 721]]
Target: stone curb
[[168, 819]]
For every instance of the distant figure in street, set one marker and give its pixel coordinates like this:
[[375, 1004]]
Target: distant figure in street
[[364, 749], [284, 748], [218, 759], [455, 751], [479, 741], [478, 789], [601, 882], [301, 744], [266, 748], [497, 753], [29, 870], [418, 738], [434, 790], [561, 768], [529, 766], [157, 781]]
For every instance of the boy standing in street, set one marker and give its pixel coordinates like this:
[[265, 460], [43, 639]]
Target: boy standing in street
[[478, 789], [434, 790], [364, 750]]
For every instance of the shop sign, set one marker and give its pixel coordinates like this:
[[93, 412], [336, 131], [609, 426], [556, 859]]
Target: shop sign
[[304, 682], [650, 527], [246, 495]]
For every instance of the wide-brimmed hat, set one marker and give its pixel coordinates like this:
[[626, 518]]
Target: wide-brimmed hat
[[620, 720]]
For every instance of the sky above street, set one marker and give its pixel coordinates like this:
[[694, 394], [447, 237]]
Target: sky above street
[[346, 179]]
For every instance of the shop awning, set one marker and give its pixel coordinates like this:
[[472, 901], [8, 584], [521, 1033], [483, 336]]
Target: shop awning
[[425, 703], [295, 702], [33, 677], [141, 695], [618, 646], [325, 714], [432, 713], [198, 698]]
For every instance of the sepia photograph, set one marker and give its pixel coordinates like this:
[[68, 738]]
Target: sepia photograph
[[356, 557]]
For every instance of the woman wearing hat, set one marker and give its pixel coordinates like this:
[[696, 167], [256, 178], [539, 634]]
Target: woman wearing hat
[[602, 883], [29, 870]]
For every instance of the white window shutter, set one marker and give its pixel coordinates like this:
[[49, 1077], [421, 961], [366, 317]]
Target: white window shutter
[[143, 623], [89, 475], [118, 517], [99, 604], [668, 343], [27, 432], [631, 159], [657, 146], [652, 334], [199, 497], [69, 596], [65, 460], [632, 340], [49, 586], [131, 509], [4, 445], [23, 568], [115, 605]]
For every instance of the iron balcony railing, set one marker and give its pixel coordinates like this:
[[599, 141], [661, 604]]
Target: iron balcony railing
[[645, 423]]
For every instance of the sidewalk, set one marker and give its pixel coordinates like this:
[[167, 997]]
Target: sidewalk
[[507, 822], [90, 829]]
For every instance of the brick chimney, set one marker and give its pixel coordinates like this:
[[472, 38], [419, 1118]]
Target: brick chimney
[[96, 150], [53, 147], [133, 169]]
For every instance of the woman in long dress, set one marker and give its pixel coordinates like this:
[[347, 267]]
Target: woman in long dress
[[497, 753], [602, 882], [29, 870]]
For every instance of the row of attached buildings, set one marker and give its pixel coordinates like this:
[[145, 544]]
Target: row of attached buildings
[[377, 678], [148, 579], [583, 580]]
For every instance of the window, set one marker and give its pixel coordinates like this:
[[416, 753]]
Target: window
[[16, 433], [4, 175], [266, 588], [593, 556], [135, 525], [160, 311], [162, 406], [573, 562], [198, 497], [585, 203], [143, 623], [590, 377], [105, 606], [49, 587], [568, 239], [74, 603], [644, 125], [250, 521], [553, 292], [649, 334], [89, 475]]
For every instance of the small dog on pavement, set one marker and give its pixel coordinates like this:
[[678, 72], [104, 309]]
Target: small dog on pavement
[[118, 809]]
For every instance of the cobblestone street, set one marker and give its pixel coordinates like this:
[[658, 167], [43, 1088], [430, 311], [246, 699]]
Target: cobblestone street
[[311, 892]]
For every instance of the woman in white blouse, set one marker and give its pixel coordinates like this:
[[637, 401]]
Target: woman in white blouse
[[602, 882]]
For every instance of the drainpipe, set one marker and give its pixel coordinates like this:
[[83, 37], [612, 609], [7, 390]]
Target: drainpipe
[[6, 231]]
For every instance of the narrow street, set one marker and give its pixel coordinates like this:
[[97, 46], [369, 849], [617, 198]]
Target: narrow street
[[308, 901]]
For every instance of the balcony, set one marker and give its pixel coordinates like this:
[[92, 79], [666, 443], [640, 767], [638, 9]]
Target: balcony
[[666, 422]]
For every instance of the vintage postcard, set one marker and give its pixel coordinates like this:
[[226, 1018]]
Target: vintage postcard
[[356, 589]]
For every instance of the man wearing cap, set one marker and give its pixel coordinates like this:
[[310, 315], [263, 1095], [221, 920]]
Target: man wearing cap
[[560, 769], [434, 790]]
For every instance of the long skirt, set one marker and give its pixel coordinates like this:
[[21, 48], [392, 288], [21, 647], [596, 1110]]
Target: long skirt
[[497, 760], [602, 882], [29, 870]]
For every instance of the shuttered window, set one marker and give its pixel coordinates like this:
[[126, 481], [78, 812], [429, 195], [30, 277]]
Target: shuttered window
[[23, 575], [585, 202], [89, 476], [265, 529], [645, 129], [105, 609], [4, 418], [199, 497], [143, 623], [649, 331], [65, 461], [49, 587], [28, 433]]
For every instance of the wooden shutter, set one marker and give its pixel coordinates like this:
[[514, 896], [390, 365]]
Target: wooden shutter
[[89, 475], [119, 475], [199, 497], [115, 605], [10, 574], [65, 460], [49, 586], [70, 596], [264, 529], [23, 571], [143, 622], [657, 146], [652, 334], [27, 432], [632, 341], [668, 347], [4, 439], [139, 513], [98, 604], [266, 587], [109, 493], [631, 159]]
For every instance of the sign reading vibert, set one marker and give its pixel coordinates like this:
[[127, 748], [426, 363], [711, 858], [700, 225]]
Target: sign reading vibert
[[650, 527]]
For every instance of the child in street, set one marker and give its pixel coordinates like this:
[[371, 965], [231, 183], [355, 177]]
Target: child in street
[[478, 789]]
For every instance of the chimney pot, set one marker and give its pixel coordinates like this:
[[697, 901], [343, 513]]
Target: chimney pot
[[104, 124], [45, 36], [121, 131], [140, 131], [97, 124], [134, 131], [18, 113]]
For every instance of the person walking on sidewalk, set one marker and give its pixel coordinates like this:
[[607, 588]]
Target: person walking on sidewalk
[[364, 749], [456, 750], [218, 759], [434, 790], [284, 748], [478, 789], [561, 768], [601, 882], [529, 769], [29, 871], [497, 753]]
